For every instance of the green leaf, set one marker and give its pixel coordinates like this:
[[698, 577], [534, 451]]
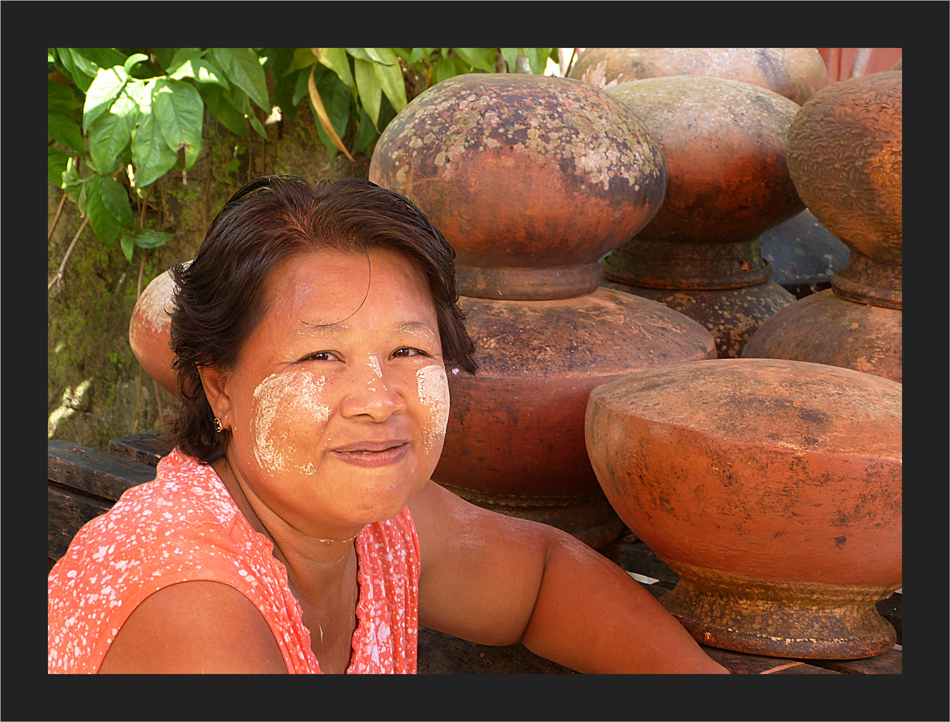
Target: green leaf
[[360, 54], [182, 56], [243, 105], [147, 238], [111, 134], [151, 156], [65, 130], [108, 209], [56, 166], [446, 68], [132, 61], [61, 98], [102, 57], [127, 243], [474, 57], [102, 93], [223, 110], [74, 186], [337, 102], [202, 71], [180, 112], [335, 59], [369, 87], [243, 68], [303, 58], [391, 80], [511, 57], [366, 133]]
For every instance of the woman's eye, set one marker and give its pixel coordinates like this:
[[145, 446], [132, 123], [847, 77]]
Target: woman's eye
[[319, 356], [407, 351]]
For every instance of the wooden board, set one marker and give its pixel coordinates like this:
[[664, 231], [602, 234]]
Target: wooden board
[[66, 512], [145, 448], [94, 472]]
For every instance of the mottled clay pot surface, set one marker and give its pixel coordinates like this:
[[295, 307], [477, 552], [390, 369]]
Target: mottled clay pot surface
[[845, 155], [532, 179], [772, 487], [731, 315], [149, 331], [795, 73], [515, 437], [825, 328]]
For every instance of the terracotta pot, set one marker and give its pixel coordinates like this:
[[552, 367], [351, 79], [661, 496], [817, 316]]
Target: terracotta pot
[[149, 331], [515, 437], [804, 255], [532, 179], [845, 152], [795, 73], [724, 143], [825, 328], [773, 488]]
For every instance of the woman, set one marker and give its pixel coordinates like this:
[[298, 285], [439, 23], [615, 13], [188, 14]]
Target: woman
[[294, 527]]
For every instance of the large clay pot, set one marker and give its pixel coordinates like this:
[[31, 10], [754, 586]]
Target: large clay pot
[[532, 179], [728, 182], [795, 73], [845, 155], [515, 437], [149, 331], [773, 488]]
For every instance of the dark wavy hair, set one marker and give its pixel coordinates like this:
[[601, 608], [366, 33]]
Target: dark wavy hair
[[219, 298]]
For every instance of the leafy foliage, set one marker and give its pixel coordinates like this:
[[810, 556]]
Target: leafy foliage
[[141, 113]]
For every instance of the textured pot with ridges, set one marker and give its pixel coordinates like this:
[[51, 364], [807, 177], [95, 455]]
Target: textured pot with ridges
[[532, 179], [845, 155], [515, 437], [772, 487], [149, 331], [795, 73]]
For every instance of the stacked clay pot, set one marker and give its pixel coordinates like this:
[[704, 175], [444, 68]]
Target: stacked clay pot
[[149, 331], [845, 156], [724, 144], [772, 487], [532, 180], [795, 73]]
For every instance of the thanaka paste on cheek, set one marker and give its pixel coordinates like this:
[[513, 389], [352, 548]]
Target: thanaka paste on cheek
[[286, 405], [433, 390]]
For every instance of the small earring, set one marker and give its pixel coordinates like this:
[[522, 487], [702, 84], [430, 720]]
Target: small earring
[[218, 426]]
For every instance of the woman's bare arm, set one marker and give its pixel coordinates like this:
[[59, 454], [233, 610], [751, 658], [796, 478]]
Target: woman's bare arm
[[192, 628], [494, 579]]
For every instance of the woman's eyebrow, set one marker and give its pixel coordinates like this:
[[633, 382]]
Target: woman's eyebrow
[[415, 327]]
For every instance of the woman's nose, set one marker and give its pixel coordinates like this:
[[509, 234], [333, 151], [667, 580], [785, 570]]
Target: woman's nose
[[371, 393]]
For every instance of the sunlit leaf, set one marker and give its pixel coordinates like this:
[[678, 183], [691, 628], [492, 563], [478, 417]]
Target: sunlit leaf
[[475, 57], [391, 80], [151, 156], [322, 115], [180, 112], [511, 57], [107, 85], [369, 87], [335, 59], [242, 66], [112, 133], [108, 208]]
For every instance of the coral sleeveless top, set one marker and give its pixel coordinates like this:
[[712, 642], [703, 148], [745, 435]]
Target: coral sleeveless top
[[184, 526]]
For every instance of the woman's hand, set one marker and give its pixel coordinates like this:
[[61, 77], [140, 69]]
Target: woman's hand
[[498, 580]]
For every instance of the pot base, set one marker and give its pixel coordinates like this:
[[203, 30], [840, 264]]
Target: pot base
[[797, 620], [590, 519], [529, 284]]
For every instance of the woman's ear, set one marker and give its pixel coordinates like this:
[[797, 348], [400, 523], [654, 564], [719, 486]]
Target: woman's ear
[[215, 384]]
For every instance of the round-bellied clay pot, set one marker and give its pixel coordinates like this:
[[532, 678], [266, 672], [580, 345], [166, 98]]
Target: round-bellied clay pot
[[515, 436], [149, 331], [728, 182], [795, 73], [772, 487], [845, 156], [532, 179]]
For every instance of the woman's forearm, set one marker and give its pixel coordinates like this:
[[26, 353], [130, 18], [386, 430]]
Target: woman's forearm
[[592, 617]]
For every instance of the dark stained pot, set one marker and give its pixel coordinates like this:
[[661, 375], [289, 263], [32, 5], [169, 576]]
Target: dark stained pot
[[532, 179], [515, 437], [773, 488], [149, 331], [845, 155], [728, 182], [804, 254], [795, 73]]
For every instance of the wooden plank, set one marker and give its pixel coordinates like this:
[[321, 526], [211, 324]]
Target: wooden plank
[[635, 556], [145, 448], [888, 663], [94, 472], [892, 610], [741, 663], [66, 512]]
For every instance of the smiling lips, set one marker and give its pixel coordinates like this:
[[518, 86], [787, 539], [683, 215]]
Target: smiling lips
[[371, 454]]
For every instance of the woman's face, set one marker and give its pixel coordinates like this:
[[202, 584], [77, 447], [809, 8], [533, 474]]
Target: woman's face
[[338, 405]]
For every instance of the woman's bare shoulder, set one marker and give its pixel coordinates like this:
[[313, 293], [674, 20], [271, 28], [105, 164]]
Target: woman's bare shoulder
[[194, 627]]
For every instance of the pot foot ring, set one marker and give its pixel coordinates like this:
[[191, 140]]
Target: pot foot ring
[[528, 284], [590, 519], [795, 620]]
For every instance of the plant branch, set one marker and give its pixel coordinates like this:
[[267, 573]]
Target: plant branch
[[59, 212], [59, 273]]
